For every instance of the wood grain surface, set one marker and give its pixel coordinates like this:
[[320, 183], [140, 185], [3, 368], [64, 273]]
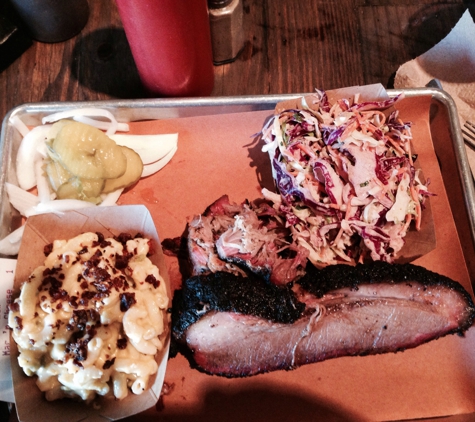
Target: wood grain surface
[[291, 46]]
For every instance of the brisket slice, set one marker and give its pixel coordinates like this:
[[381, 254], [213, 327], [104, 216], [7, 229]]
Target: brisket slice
[[342, 311]]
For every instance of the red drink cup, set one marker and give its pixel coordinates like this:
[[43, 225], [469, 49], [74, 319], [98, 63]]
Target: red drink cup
[[171, 45]]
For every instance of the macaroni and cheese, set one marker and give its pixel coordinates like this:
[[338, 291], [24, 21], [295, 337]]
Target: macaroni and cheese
[[92, 318]]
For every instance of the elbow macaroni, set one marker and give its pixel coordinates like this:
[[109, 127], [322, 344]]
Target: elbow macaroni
[[92, 318]]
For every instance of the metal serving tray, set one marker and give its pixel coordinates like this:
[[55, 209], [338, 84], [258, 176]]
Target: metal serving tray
[[445, 128], [444, 122]]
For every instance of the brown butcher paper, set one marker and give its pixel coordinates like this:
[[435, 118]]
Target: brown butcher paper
[[222, 155]]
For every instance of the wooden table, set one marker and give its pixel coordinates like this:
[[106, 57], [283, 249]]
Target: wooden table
[[291, 46]]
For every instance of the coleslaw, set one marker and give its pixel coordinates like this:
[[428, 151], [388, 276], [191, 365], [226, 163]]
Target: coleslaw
[[347, 180]]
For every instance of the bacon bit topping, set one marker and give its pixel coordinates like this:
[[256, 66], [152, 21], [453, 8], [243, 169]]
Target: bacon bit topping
[[123, 238], [81, 317], [19, 323], [122, 261], [50, 271], [78, 349], [117, 283], [48, 249], [14, 307], [83, 250], [101, 287], [88, 295], [83, 302], [73, 302], [94, 260], [101, 241], [108, 364], [100, 275], [53, 285], [126, 301], [122, 343], [152, 280]]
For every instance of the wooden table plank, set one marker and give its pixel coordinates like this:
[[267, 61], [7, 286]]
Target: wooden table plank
[[294, 47], [290, 46]]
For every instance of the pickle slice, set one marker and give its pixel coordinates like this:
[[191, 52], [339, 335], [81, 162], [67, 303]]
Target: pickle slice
[[88, 153], [92, 188], [57, 174], [84, 189], [132, 173], [67, 190]]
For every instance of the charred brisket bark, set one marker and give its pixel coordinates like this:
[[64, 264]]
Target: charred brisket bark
[[319, 282]]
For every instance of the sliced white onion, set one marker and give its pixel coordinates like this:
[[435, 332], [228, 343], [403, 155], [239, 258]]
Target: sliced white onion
[[10, 245], [111, 198], [58, 206], [18, 124], [81, 112], [121, 127], [150, 169], [21, 199], [28, 152], [151, 148], [32, 211]]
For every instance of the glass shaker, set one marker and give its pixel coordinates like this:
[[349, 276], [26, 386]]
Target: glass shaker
[[226, 23]]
